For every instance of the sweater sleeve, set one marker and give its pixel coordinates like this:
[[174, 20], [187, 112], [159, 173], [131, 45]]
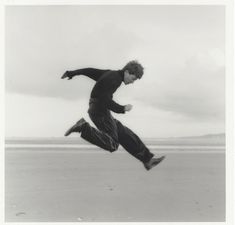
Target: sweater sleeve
[[108, 97], [92, 73], [114, 106]]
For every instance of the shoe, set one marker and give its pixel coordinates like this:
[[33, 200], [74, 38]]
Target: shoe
[[76, 128], [153, 162]]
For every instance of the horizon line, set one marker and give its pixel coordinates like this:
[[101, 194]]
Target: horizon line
[[72, 137]]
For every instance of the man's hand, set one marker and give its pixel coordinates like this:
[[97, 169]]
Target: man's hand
[[67, 75], [128, 107]]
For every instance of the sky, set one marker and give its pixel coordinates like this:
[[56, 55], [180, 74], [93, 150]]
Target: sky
[[182, 48]]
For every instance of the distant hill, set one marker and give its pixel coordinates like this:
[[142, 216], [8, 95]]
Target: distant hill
[[204, 140], [220, 135]]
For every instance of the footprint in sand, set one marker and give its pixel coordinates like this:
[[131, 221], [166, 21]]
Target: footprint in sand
[[79, 219], [20, 213]]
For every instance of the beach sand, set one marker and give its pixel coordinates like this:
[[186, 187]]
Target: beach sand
[[73, 186]]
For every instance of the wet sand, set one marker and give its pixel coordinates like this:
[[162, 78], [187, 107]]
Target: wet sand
[[71, 186]]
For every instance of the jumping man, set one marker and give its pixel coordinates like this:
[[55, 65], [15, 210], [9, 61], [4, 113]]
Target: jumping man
[[111, 132]]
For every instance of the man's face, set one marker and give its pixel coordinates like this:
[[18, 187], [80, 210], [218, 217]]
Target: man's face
[[129, 78]]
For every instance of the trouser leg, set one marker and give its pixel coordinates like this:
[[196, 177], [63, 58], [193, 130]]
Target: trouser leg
[[106, 136], [132, 143]]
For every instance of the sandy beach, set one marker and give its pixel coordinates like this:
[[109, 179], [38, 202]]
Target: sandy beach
[[74, 186]]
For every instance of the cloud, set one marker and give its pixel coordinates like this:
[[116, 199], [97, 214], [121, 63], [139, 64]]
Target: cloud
[[196, 91], [35, 60]]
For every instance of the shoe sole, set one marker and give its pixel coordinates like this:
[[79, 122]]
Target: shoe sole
[[74, 127], [69, 131], [160, 160]]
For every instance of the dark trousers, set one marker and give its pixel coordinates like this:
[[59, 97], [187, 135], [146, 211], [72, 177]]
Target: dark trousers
[[111, 133]]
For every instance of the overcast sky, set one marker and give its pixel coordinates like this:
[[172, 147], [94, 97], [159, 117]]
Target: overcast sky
[[182, 92]]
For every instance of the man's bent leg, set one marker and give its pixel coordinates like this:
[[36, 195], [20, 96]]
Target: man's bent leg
[[132, 143], [105, 136]]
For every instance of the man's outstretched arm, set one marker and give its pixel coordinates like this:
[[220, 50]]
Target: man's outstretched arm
[[92, 73]]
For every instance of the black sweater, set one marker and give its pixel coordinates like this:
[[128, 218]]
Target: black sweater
[[107, 82]]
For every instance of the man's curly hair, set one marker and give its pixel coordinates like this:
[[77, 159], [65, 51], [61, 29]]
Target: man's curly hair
[[134, 67]]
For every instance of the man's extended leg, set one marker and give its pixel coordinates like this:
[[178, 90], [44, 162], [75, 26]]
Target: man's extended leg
[[132, 143], [105, 136]]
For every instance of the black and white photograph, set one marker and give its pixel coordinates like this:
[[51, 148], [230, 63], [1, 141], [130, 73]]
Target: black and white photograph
[[117, 112]]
